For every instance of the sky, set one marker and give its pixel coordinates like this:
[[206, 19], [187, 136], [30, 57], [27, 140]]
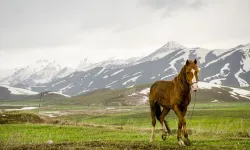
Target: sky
[[69, 31]]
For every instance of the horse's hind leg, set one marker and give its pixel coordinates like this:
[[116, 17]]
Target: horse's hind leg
[[165, 128], [153, 109]]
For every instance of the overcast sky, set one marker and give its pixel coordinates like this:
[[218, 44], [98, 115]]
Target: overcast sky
[[69, 30]]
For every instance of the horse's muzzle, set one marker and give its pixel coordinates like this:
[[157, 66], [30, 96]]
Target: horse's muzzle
[[194, 86]]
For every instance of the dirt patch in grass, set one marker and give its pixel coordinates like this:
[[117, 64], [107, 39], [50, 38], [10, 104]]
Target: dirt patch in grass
[[22, 117], [100, 145]]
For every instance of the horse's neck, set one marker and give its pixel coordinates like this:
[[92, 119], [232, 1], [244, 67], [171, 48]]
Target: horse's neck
[[181, 81]]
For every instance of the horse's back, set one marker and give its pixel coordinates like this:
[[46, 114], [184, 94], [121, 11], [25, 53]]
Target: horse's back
[[162, 84], [161, 88]]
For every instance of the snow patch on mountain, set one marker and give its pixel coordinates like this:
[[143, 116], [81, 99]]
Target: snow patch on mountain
[[205, 85], [65, 88], [131, 80], [144, 99], [167, 76], [241, 81], [105, 77], [84, 91], [246, 59], [224, 72], [100, 72], [117, 72], [172, 63], [59, 93], [90, 83], [145, 91], [71, 75], [217, 81], [58, 83], [19, 91], [111, 83], [133, 94], [235, 91], [136, 73], [125, 76]]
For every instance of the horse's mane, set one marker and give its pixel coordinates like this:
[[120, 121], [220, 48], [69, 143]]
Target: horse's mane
[[180, 79]]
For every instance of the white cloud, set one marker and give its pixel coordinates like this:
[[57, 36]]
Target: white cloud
[[69, 31]]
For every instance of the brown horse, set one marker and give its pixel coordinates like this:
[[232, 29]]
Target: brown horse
[[173, 95]]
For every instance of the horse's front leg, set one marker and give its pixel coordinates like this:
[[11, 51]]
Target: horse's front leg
[[181, 123], [186, 139]]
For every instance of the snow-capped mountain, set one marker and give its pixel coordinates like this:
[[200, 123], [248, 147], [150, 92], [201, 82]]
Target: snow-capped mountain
[[163, 51], [228, 67], [42, 71], [110, 63]]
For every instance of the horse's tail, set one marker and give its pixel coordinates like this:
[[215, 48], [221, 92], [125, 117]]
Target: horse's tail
[[157, 111], [153, 103]]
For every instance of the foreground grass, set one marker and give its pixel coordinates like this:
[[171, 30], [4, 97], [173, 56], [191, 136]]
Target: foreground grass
[[213, 126], [36, 136]]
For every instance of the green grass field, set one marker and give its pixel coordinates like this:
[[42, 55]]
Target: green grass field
[[213, 126]]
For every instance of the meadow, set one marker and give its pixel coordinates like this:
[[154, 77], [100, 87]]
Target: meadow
[[212, 126]]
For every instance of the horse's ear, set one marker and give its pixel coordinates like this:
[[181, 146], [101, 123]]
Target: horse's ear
[[187, 62], [195, 61]]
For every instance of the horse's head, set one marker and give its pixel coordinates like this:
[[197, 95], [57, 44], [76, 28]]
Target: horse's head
[[192, 72]]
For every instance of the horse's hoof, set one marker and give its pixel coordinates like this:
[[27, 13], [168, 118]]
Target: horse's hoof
[[152, 138], [187, 142], [181, 143], [164, 137]]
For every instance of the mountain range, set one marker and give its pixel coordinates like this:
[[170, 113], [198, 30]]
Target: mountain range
[[42, 71], [228, 67]]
